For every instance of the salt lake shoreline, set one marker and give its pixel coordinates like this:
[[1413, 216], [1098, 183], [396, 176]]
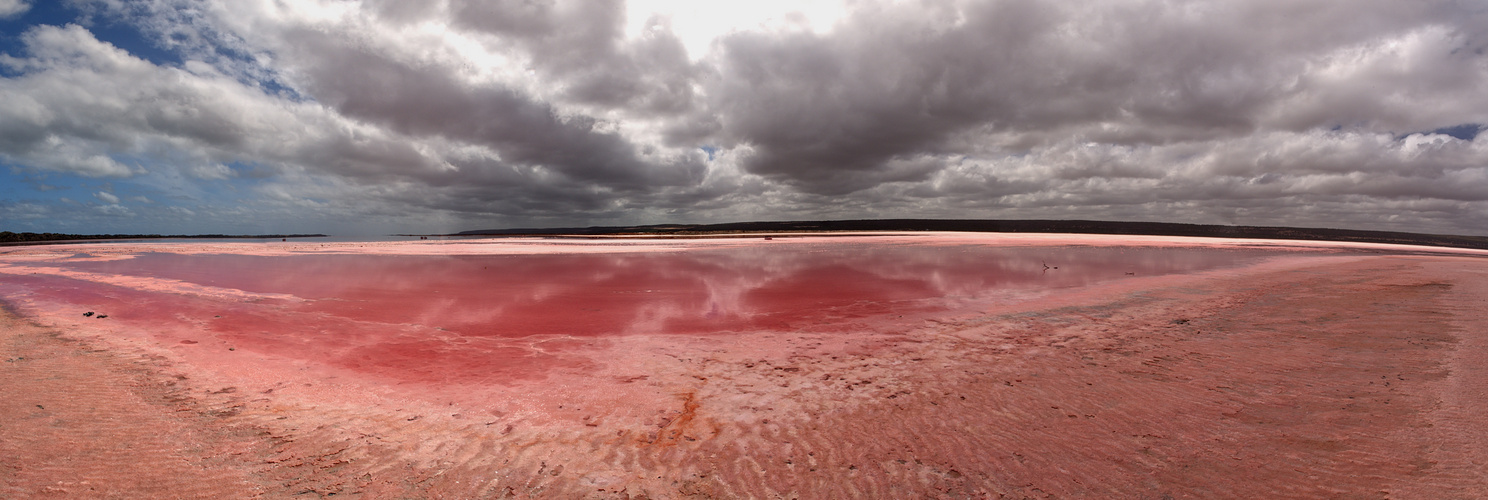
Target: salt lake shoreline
[[1299, 377]]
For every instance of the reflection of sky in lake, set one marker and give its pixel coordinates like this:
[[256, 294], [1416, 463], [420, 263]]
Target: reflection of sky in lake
[[698, 291]]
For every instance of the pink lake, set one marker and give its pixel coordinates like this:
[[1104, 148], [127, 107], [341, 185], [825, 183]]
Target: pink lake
[[445, 317]]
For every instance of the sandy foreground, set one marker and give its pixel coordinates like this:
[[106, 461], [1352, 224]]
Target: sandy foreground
[[1316, 375]]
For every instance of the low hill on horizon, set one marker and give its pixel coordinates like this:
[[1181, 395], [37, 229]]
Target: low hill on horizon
[[1006, 226]]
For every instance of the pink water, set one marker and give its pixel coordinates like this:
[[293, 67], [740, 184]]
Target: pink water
[[443, 317]]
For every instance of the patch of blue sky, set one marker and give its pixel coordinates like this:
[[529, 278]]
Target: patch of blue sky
[[59, 13], [157, 187], [172, 187], [17, 184], [272, 86], [126, 34], [1466, 131]]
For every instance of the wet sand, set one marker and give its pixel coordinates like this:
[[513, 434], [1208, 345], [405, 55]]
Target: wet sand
[[1316, 375]]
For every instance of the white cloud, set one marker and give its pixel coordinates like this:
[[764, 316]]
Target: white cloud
[[699, 24], [576, 112], [13, 8], [114, 211], [106, 197]]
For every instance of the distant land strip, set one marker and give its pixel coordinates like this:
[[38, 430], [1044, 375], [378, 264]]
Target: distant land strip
[[10, 238], [1006, 226]]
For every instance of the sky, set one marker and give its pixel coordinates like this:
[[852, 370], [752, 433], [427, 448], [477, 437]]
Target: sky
[[370, 117]]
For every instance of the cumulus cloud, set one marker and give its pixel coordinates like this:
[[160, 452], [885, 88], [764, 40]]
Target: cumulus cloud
[[900, 80], [1359, 113], [13, 8]]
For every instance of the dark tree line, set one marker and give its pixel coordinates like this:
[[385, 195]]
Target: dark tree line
[[10, 237], [1013, 226]]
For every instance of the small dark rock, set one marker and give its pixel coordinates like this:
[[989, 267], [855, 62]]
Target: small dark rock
[[101, 316], [88, 314]]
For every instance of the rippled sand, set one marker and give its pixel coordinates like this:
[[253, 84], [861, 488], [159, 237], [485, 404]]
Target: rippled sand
[[1318, 374]]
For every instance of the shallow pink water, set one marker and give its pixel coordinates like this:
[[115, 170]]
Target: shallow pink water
[[451, 317]]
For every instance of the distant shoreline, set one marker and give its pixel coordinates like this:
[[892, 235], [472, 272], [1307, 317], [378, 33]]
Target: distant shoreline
[[1000, 226], [8, 238]]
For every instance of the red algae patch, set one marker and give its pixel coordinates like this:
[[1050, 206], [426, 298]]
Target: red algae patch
[[941, 367]]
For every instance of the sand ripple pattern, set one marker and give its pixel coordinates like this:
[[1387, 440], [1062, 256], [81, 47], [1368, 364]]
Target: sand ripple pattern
[[1358, 378]]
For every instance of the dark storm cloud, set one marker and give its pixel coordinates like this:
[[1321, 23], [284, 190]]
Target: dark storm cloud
[[899, 81], [576, 46], [78, 102], [424, 101], [569, 111]]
